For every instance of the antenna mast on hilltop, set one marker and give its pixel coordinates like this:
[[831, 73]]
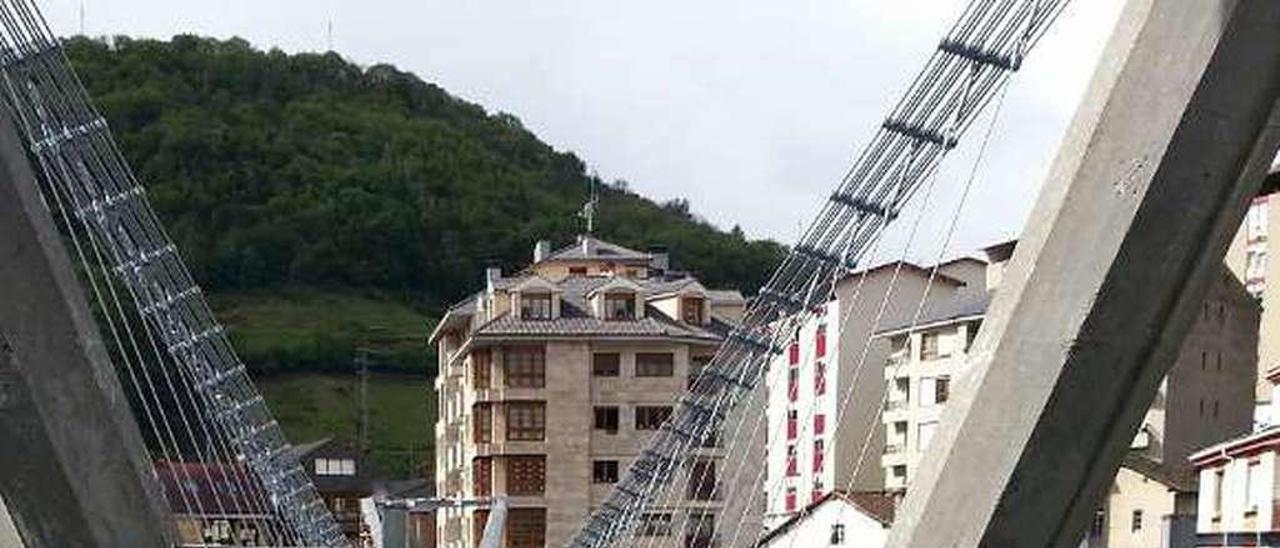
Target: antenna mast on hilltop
[[590, 209]]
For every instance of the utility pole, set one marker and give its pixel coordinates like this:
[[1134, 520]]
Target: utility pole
[[362, 363]]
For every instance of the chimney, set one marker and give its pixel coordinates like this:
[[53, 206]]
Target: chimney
[[659, 259], [588, 245], [492, 272], [541, 250]]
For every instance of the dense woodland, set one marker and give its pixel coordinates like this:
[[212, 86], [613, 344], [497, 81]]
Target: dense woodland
[[275, 170]]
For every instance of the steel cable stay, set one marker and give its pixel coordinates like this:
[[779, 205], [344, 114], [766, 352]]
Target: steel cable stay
[[971, 64], [918, 312], [238, 488], [79, 157]]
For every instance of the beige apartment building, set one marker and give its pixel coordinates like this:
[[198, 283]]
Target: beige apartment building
[[1206, 398], [551, 380]]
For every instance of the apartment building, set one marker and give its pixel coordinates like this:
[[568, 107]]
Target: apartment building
[[1206, 397], [551, 380], [1239, 494], [833, 364], [1248, 259]]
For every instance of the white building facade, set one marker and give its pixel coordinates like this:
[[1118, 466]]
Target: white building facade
[[825, 390], [838, 519]]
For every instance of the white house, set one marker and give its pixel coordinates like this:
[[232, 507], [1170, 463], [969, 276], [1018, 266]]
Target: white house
[[856, 519]]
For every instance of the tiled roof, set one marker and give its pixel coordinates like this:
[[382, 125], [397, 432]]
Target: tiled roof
[[654, 324], [209, 489], [1176, 479], [876, 505], [965, 305], [576, 320], [600, 250]]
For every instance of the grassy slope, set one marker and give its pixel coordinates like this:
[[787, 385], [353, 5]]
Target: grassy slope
[[402, 410], [299, 329], [300, 344]]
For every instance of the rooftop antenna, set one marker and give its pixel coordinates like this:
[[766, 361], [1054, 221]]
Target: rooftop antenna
[[329, 36], [591, 208]]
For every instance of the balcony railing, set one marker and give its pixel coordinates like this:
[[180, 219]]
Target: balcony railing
[[894, 405], [895, 448]]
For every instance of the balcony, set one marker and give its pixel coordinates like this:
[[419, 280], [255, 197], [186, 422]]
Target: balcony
[[896, 404], [895, 448]]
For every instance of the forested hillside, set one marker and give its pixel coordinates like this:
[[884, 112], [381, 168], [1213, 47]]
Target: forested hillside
[[330, 208], [275, 170]]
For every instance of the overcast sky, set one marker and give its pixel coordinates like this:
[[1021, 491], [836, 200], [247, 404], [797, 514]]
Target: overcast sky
[[750, 109]]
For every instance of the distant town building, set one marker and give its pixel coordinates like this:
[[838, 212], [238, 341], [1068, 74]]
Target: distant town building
[[833, 362], [1249, 258], [217, 505], [1238, 501], [1206, 397], [394, 518], [845, 519], [342, 476], [551, 380]]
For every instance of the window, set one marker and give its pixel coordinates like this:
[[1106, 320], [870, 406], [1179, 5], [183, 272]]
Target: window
[[793, 426], [700, 530], [929, 346], [482, 476], [480, 361], [535, 306], [691, 310], [526, 528], [649, 417], [820, 341], [218, 532], [793, 383], [604, 471], [790, 499], [934, 390], [818, 457], [335, 467], [619, 306], [607, 419], [696, 365], [1135, 523], [1257, 220], [819, 424], [655, 364], [482, 423], [837, 534], [793, 353], [819, 379], [924, 433], [577, 271], [792, 468], [606, 364], [900, 472], [526, 475], [526, 421], [655, 524], [1251, 490], [1218, 477], [702, 482], [525, 366]]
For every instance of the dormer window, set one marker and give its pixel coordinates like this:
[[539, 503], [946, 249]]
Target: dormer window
[[535, 306], [691, 310], [619, 306], [335, 467]]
